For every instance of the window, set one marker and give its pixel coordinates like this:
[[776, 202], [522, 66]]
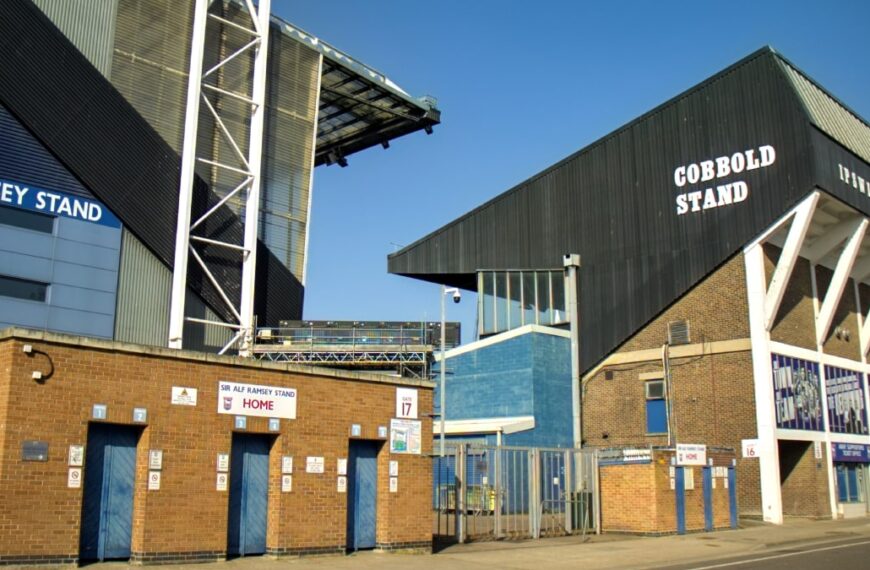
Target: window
[[26, 219], [23, 289], [656, 407], [510, 299]]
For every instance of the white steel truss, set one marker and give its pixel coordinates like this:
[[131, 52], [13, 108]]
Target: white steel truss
[[248, 167]]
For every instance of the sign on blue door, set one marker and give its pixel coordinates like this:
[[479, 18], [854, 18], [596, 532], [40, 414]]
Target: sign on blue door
[[110, 473]]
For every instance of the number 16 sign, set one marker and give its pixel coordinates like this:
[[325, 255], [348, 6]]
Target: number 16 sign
[[406, 403]]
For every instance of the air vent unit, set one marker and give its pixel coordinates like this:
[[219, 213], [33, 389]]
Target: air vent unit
[[678, 332]]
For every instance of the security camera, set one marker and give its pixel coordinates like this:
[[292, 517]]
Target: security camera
[[457, 296]]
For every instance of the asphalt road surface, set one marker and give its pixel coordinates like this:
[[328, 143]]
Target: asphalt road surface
[[839, 555]]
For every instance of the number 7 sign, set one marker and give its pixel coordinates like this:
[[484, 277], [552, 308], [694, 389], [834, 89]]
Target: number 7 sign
[[406, 403]]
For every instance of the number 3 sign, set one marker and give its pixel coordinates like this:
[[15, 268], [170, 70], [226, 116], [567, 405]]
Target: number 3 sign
[[406, 403]]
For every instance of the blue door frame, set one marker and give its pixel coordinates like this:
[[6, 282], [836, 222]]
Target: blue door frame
[[708, 498], [680, 500], [362, 494], [249, 494], [732, 495], [107, 504]]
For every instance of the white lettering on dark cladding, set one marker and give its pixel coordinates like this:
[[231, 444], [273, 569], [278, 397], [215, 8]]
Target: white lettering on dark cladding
[[852, 178], [715, 169]]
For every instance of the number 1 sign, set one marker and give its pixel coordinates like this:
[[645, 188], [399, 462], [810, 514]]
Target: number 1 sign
[[406, 403]]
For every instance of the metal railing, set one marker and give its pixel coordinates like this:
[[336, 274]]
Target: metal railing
[[491, 493]]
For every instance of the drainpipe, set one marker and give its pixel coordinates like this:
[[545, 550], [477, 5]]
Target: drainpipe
[[571, 263]]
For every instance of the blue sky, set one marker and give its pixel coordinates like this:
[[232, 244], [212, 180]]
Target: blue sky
[[521, 85]]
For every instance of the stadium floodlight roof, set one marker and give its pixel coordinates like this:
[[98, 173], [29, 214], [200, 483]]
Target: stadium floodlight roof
[[360, 107]]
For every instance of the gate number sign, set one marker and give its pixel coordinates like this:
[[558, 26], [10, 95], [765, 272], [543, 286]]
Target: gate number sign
[[406, 403]]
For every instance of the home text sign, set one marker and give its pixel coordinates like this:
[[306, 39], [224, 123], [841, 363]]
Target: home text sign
[[253, 400]]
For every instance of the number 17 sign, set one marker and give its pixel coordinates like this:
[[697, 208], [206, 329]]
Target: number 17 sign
[[406, 403]]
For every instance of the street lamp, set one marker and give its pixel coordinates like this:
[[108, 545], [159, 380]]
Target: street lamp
[[456, 298]]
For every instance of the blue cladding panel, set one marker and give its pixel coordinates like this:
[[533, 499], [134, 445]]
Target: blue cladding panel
[[107, 513], [76, 298], [362, 494], [21, 313], [493, 381], [26, 242], [249, 495], [528, 375], [25, 266], [84, 232], [79, 262], [84, 276], [105, 258]]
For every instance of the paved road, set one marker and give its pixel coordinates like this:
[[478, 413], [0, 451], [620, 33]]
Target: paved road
[[844, 555], [797, 545]]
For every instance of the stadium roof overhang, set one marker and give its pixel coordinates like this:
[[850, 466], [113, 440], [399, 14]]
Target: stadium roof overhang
[[359, 106]]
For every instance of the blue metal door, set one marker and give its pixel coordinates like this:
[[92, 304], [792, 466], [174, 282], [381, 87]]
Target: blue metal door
[[249, 494], [107, 507], [708, 498], [362, 494]]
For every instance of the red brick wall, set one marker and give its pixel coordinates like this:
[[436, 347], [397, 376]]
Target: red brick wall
[[714, 394], [804, 480], [40, 516], [639, 498]]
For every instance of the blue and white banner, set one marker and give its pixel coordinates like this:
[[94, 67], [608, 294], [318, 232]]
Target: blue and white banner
[[850, 452], [55, 203], [845, 393], [797, 393]]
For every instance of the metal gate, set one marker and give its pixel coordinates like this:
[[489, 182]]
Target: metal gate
[[490, 493]]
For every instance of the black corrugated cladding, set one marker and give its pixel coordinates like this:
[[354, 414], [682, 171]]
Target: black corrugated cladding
[[614, 203], [79, 116]]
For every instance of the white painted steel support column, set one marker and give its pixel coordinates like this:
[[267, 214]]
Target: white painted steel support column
[[255, 157], [803, 215], [571, 262], [839, 280], [185, 190], [768, 458], [249, 168], [826, 431]]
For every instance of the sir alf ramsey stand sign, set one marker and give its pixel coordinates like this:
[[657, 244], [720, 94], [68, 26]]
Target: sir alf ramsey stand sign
[[254, 400]]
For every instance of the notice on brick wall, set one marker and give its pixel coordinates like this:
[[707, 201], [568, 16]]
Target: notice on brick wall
[[222, 482], [314, 465], [406, 436], [154, 481], [74, 478], [286, 483], [342, 484], [394, 484], [688, 478], [182, 396]]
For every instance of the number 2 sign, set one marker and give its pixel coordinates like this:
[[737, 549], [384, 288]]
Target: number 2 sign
[[406, 403]]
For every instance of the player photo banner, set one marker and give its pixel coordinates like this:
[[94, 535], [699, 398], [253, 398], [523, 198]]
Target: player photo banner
[[847, 412], [797, 393]]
